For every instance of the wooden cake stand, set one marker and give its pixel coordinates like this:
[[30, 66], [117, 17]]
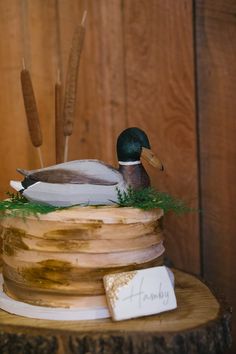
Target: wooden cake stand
[[200, 324]]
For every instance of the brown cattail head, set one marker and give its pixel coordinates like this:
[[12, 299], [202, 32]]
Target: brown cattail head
[[72, 79], [31, 109]]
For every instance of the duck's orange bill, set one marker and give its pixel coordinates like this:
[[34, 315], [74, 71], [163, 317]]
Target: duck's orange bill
[[149, 156]]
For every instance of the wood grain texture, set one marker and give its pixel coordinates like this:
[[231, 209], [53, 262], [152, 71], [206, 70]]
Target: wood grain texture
[[216, 56], [101, 98], [136, 69], [40, 270], [199, 324], [159, 69], [22, 23], [14, 135], [41, 15]]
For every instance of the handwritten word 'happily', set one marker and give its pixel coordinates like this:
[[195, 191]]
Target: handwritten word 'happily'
[[141, 296]]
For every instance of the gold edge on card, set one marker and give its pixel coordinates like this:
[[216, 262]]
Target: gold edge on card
[[114, 282]]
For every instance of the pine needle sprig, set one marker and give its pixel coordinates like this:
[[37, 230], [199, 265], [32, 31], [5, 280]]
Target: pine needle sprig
[[149, 198], [18, 206]]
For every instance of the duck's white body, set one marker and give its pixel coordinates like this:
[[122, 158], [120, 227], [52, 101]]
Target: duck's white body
[[102, 192], [70, 194]]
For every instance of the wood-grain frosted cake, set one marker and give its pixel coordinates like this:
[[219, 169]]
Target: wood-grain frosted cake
[[59, 259]]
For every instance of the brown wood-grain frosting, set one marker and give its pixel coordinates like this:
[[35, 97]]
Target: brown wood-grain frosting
[[60, 258]]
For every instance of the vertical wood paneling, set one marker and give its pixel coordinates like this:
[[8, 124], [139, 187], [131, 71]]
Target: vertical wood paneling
[[29, 33], [41, 26], [101, 98], [136, 69], [216, 57], [160, 98], [14, 141]]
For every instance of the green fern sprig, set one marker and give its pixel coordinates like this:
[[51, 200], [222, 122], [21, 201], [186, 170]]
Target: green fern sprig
[[18, 206], [149, 198]]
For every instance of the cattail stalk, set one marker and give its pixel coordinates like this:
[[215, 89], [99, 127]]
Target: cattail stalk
[[71, 82], [59, 121], [40, 156], [31, 111]]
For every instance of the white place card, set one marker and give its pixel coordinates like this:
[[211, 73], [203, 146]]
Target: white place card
[[140, 293]]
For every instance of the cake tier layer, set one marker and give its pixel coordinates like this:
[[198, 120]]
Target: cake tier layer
[[88, 292], [59, 258]]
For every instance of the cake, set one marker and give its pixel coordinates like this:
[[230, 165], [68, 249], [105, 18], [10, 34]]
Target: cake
[[59, 259]]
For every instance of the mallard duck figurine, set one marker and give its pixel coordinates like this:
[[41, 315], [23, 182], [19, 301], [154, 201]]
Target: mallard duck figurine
[[91, 182]]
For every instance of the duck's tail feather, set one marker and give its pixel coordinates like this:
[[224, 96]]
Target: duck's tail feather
[[16, 185], [23, 172]]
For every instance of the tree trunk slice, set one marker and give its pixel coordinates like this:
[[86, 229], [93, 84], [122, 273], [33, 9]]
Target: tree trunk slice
[[200, 324]]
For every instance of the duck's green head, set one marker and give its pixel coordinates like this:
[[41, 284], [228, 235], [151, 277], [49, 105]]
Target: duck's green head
[[132, 144]]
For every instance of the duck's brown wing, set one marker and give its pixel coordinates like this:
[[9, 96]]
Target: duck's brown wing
[[62, 176]]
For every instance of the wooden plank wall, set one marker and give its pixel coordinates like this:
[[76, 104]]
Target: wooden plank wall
[[216, 68], [137, 69], [159, 69], [140, 65]]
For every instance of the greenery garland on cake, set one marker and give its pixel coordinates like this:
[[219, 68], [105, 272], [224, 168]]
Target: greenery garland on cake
[[147, 198], [18, 206]]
